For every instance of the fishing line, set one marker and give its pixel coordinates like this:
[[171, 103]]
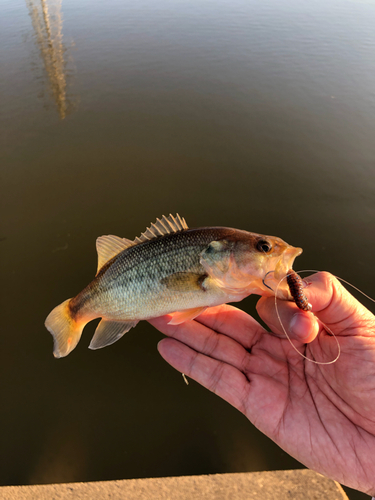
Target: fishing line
[[341, 279], [320, 322], [323, 324]]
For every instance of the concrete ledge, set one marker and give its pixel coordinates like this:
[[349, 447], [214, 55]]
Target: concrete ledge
[[283, 485]]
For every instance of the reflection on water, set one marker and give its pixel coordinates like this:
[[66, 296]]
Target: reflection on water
[[47, 24], [221, 111]]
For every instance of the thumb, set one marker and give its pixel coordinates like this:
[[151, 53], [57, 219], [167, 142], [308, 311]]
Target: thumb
[[284, 316], [335, 306], [331, 303]]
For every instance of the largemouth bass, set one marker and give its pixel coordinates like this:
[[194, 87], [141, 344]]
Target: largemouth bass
[[168, 269]]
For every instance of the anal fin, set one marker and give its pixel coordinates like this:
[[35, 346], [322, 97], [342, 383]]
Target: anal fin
[[108, 332], [186, 315]]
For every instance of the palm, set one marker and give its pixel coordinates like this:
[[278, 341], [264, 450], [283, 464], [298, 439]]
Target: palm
[[323, 415]]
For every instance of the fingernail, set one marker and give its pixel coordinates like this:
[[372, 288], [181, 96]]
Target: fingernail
[[301, 326]]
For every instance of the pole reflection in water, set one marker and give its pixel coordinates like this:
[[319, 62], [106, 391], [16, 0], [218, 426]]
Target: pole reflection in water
[[47, 23]]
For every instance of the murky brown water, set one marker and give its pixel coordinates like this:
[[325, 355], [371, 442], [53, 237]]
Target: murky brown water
[[257, 115]]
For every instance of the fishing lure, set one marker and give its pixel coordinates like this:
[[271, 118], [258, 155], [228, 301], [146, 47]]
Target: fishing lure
[[296, 286]]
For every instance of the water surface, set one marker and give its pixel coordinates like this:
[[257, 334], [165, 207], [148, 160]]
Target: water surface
[[256, 115]]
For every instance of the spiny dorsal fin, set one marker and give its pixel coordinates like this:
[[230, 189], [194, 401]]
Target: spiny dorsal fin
[[109, 246], [161, 227]]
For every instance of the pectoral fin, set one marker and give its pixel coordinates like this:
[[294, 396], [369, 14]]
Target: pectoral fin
[[184, 282], [187, 315], [109, 332]]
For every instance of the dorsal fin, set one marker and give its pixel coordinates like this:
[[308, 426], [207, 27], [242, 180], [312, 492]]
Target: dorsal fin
[[109, 246], [161, 227]]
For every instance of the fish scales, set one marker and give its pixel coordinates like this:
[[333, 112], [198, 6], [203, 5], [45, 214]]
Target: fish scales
[[177, 244], [169, 269], [133, 278]]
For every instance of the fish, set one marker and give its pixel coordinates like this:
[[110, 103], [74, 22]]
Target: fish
[[169, 269]]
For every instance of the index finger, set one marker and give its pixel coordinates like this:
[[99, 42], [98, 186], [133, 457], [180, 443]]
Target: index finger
[[223, 319], [232, 322]]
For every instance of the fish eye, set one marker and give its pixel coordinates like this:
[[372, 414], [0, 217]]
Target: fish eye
[[264, 246]]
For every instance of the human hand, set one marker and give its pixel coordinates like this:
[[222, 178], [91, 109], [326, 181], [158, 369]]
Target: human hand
[[323, 415]]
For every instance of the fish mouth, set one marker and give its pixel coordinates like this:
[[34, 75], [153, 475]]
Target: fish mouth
[[286, 262]]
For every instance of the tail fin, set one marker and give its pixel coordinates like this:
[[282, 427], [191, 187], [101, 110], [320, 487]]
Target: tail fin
[[65, 330]]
